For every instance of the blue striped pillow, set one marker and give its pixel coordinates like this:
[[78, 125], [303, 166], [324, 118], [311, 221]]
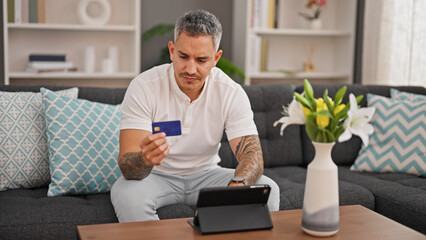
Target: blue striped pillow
[[398, 143]]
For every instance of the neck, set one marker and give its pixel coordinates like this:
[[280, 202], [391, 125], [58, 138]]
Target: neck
[[193, 95]]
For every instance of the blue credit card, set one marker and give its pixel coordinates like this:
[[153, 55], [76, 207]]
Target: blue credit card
[[171, 128]]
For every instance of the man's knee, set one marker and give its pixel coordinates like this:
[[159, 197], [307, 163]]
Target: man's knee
[[274, 196], [129, 204]]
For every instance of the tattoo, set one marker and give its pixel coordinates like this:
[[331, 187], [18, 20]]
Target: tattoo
[[249, 155], [133, 167]]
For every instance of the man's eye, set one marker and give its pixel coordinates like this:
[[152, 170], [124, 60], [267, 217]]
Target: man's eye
[[183, 57], [202, 60]]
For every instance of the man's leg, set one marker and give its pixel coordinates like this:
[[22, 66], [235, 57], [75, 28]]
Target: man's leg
[[221, 177], [138, 200]]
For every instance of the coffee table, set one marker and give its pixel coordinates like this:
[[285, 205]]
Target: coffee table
[[356, 222]]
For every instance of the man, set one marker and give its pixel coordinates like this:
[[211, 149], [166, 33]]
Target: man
[[159, 170]]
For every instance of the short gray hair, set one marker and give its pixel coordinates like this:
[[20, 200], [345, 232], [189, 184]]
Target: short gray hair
[[199, 22]]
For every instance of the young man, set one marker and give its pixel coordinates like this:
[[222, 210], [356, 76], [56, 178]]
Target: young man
[[159, 170]]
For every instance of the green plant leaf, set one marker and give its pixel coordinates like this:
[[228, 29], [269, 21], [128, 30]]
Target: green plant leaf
[[323, 112], [230, 69], [339, 96], [309, 93], [330, 136], [359, 98], [339, 131], [303, 101], [327, 101], [157, 30], [311, 127]]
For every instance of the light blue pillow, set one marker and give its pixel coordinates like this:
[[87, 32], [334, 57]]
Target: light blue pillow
[[412, 97], [83, 144], [24, 157], [398, 143]]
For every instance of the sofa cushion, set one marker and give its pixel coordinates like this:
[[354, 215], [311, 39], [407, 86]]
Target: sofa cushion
[[266, 102], [30, 214], [291, 181], [401, 197], [398, 95], [83, 144], [23, 140], [398, 143]]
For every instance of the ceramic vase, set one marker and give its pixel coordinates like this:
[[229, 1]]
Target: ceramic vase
[[321, 198], [315, 24]]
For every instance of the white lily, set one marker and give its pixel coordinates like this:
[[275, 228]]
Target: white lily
[[357, 122], [295, 115]]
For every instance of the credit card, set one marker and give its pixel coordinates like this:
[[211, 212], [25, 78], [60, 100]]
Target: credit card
[[171, 128]]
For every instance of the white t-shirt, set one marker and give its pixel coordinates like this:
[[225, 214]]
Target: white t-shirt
[[154, 96]]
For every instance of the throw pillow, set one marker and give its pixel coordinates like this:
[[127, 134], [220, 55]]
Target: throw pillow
[[398, 143], [412, 97], [24, 159], [83, 144]]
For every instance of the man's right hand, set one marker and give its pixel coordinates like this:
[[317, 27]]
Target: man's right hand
[[154, 149], [140, 150]]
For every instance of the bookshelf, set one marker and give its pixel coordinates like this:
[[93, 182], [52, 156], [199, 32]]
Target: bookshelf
[[63, 33], [278, 53]]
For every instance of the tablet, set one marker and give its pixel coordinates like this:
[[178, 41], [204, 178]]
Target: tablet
[[220, 196], [227, 209]]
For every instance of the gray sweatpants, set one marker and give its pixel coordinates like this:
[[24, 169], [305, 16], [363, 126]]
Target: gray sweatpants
[[138, 200]]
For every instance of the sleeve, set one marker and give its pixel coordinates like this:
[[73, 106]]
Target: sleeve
[[136, 109], [240, 120]]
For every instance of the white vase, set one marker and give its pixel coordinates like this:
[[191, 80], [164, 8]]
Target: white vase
[[315, 24], [321, 199]]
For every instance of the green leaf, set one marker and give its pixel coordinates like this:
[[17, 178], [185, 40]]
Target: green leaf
[[319, 137], [327, 101], [230, 69], [311, 127], [339, 131], [309, 93], [157, 30], [359, 98], [303, 101], [330, 136], [339, 96], [323, 112]]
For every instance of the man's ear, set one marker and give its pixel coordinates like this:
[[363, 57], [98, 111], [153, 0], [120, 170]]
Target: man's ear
[[171, 46], [217, 56]]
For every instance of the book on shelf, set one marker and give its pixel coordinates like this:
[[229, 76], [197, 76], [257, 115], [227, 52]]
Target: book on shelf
[[50, 66], [26, 11], [10, 11], [47, 57], [263, 16], [18, 11], [32, 11], [41, 11]]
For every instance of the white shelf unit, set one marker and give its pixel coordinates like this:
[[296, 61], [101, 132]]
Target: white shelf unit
[[64, 34], [287, 46]]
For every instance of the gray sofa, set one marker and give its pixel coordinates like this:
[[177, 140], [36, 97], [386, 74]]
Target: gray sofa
[[30, 214]]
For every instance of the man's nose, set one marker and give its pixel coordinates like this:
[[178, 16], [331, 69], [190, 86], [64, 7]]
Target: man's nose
[[191, 67]]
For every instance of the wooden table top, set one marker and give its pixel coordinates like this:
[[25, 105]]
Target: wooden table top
[[356, 222]]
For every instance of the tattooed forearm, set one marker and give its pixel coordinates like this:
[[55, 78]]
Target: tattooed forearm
[[133, 167], [249, 156]]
